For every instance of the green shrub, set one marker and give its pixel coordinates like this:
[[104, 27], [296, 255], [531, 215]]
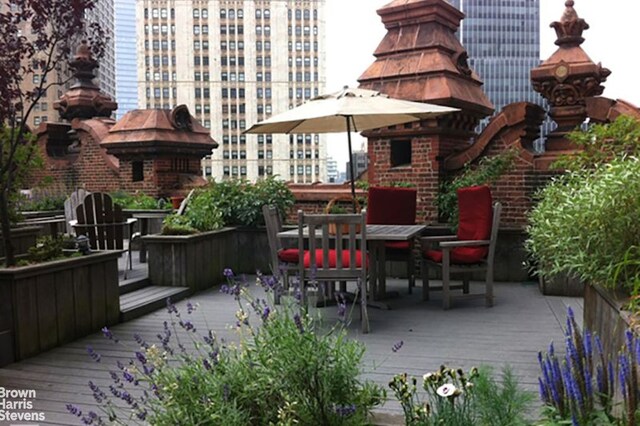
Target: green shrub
[[137, 201], [43, 203], [241, 201], [601, 143], [487, 171], [284, 370], [202, 214], [456, 398], [586, 221]]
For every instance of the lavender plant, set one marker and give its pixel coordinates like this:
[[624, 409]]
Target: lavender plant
[[580, 387], [284, 369]]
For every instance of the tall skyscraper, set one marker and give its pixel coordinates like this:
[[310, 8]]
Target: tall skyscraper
[[103, 14], [126, 66], [502, 38], [234, 63]]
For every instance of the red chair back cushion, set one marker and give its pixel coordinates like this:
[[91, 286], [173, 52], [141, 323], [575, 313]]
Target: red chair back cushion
[[474, 223], [391, 206], [289, 255], [332, 259]]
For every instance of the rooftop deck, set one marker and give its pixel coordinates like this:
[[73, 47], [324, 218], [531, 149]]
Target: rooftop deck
[[521, 323]]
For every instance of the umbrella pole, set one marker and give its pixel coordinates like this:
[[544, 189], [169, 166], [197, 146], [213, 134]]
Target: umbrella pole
[[353, 178]]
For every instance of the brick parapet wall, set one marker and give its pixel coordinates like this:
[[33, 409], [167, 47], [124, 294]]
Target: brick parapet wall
[[86, 169]]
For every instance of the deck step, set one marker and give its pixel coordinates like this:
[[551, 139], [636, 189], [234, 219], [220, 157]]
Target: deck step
[[149, 299], [133, 284]]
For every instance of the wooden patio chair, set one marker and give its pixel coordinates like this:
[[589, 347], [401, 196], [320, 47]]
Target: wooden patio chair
[[282, 260], [103, 222], [395, 206], [337, 252], [471, 250], [70, 206]]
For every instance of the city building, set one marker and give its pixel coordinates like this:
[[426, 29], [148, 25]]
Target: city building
[[360, 163], [103, 14], [126, 66], [43, 110], [332, 171], [502, 38], [235, 63]]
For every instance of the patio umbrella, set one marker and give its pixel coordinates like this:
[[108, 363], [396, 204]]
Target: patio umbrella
[[348, 110]]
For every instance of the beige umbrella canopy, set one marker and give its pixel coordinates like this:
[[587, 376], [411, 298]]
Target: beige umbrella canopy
[[346, 111]]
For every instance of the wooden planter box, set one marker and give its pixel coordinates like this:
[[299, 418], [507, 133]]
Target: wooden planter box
[[604, 316], [23, 238], [43, 306], [561, 285], [194, 261], [198, 261]]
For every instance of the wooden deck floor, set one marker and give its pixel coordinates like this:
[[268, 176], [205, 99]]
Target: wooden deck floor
[[521, 323]]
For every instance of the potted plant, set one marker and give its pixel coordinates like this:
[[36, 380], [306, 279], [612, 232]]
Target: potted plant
[[585, 224], [54, 296], [220, 221], [342, 205]]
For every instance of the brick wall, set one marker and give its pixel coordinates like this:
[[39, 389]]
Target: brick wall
[[87, 169]]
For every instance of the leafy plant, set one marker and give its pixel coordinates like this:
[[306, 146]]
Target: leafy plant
[[137, 201], [241, 201], [283, 370], [202, 215], [486, 172], [53, 28], [48, 248], [456, 398], [586, 221], [579, 387], [602, 143], [42, 203]]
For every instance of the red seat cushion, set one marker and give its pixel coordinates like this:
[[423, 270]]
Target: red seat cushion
[[290, 255], [397, 245], [462, 255], [332, 259], [391, 206], [474, 223]]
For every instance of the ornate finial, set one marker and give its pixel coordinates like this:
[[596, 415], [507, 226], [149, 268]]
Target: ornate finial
[[569, 29], [83, 64]]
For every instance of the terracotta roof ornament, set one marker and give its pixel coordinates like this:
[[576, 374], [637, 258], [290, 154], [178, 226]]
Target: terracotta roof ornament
[[84, 98], [569, 29]]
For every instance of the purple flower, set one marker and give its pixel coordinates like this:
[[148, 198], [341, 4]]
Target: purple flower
[[93, 354], [206, 364], [171, 308], [188, 325], [544, 394], [228, 273], [265, 313], [98, 395], [141, 358], [74, 410], [345, 410], [396, 347], [139, 340], [190, 308], [624, 373], [142, 415], [108, 334], [298, 321]]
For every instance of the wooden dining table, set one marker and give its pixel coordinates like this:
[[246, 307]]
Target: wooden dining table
[[376, 237]]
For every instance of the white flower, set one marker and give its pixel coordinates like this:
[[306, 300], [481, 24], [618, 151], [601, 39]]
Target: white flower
[[446, 390], [427, 376]]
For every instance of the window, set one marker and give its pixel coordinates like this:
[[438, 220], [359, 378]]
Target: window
[[223, 13], [240, 13], [258, 13], [205, 13], [196, 29], [137, 171], [267, 14], [196, 13], [163, 13], [400, 153], [231, 14]]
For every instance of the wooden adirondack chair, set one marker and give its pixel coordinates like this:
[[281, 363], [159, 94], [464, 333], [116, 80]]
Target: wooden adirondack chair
[[103, 222], [70, 205]]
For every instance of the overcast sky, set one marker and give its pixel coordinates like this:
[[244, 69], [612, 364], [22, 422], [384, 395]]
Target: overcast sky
[[354, 30]]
